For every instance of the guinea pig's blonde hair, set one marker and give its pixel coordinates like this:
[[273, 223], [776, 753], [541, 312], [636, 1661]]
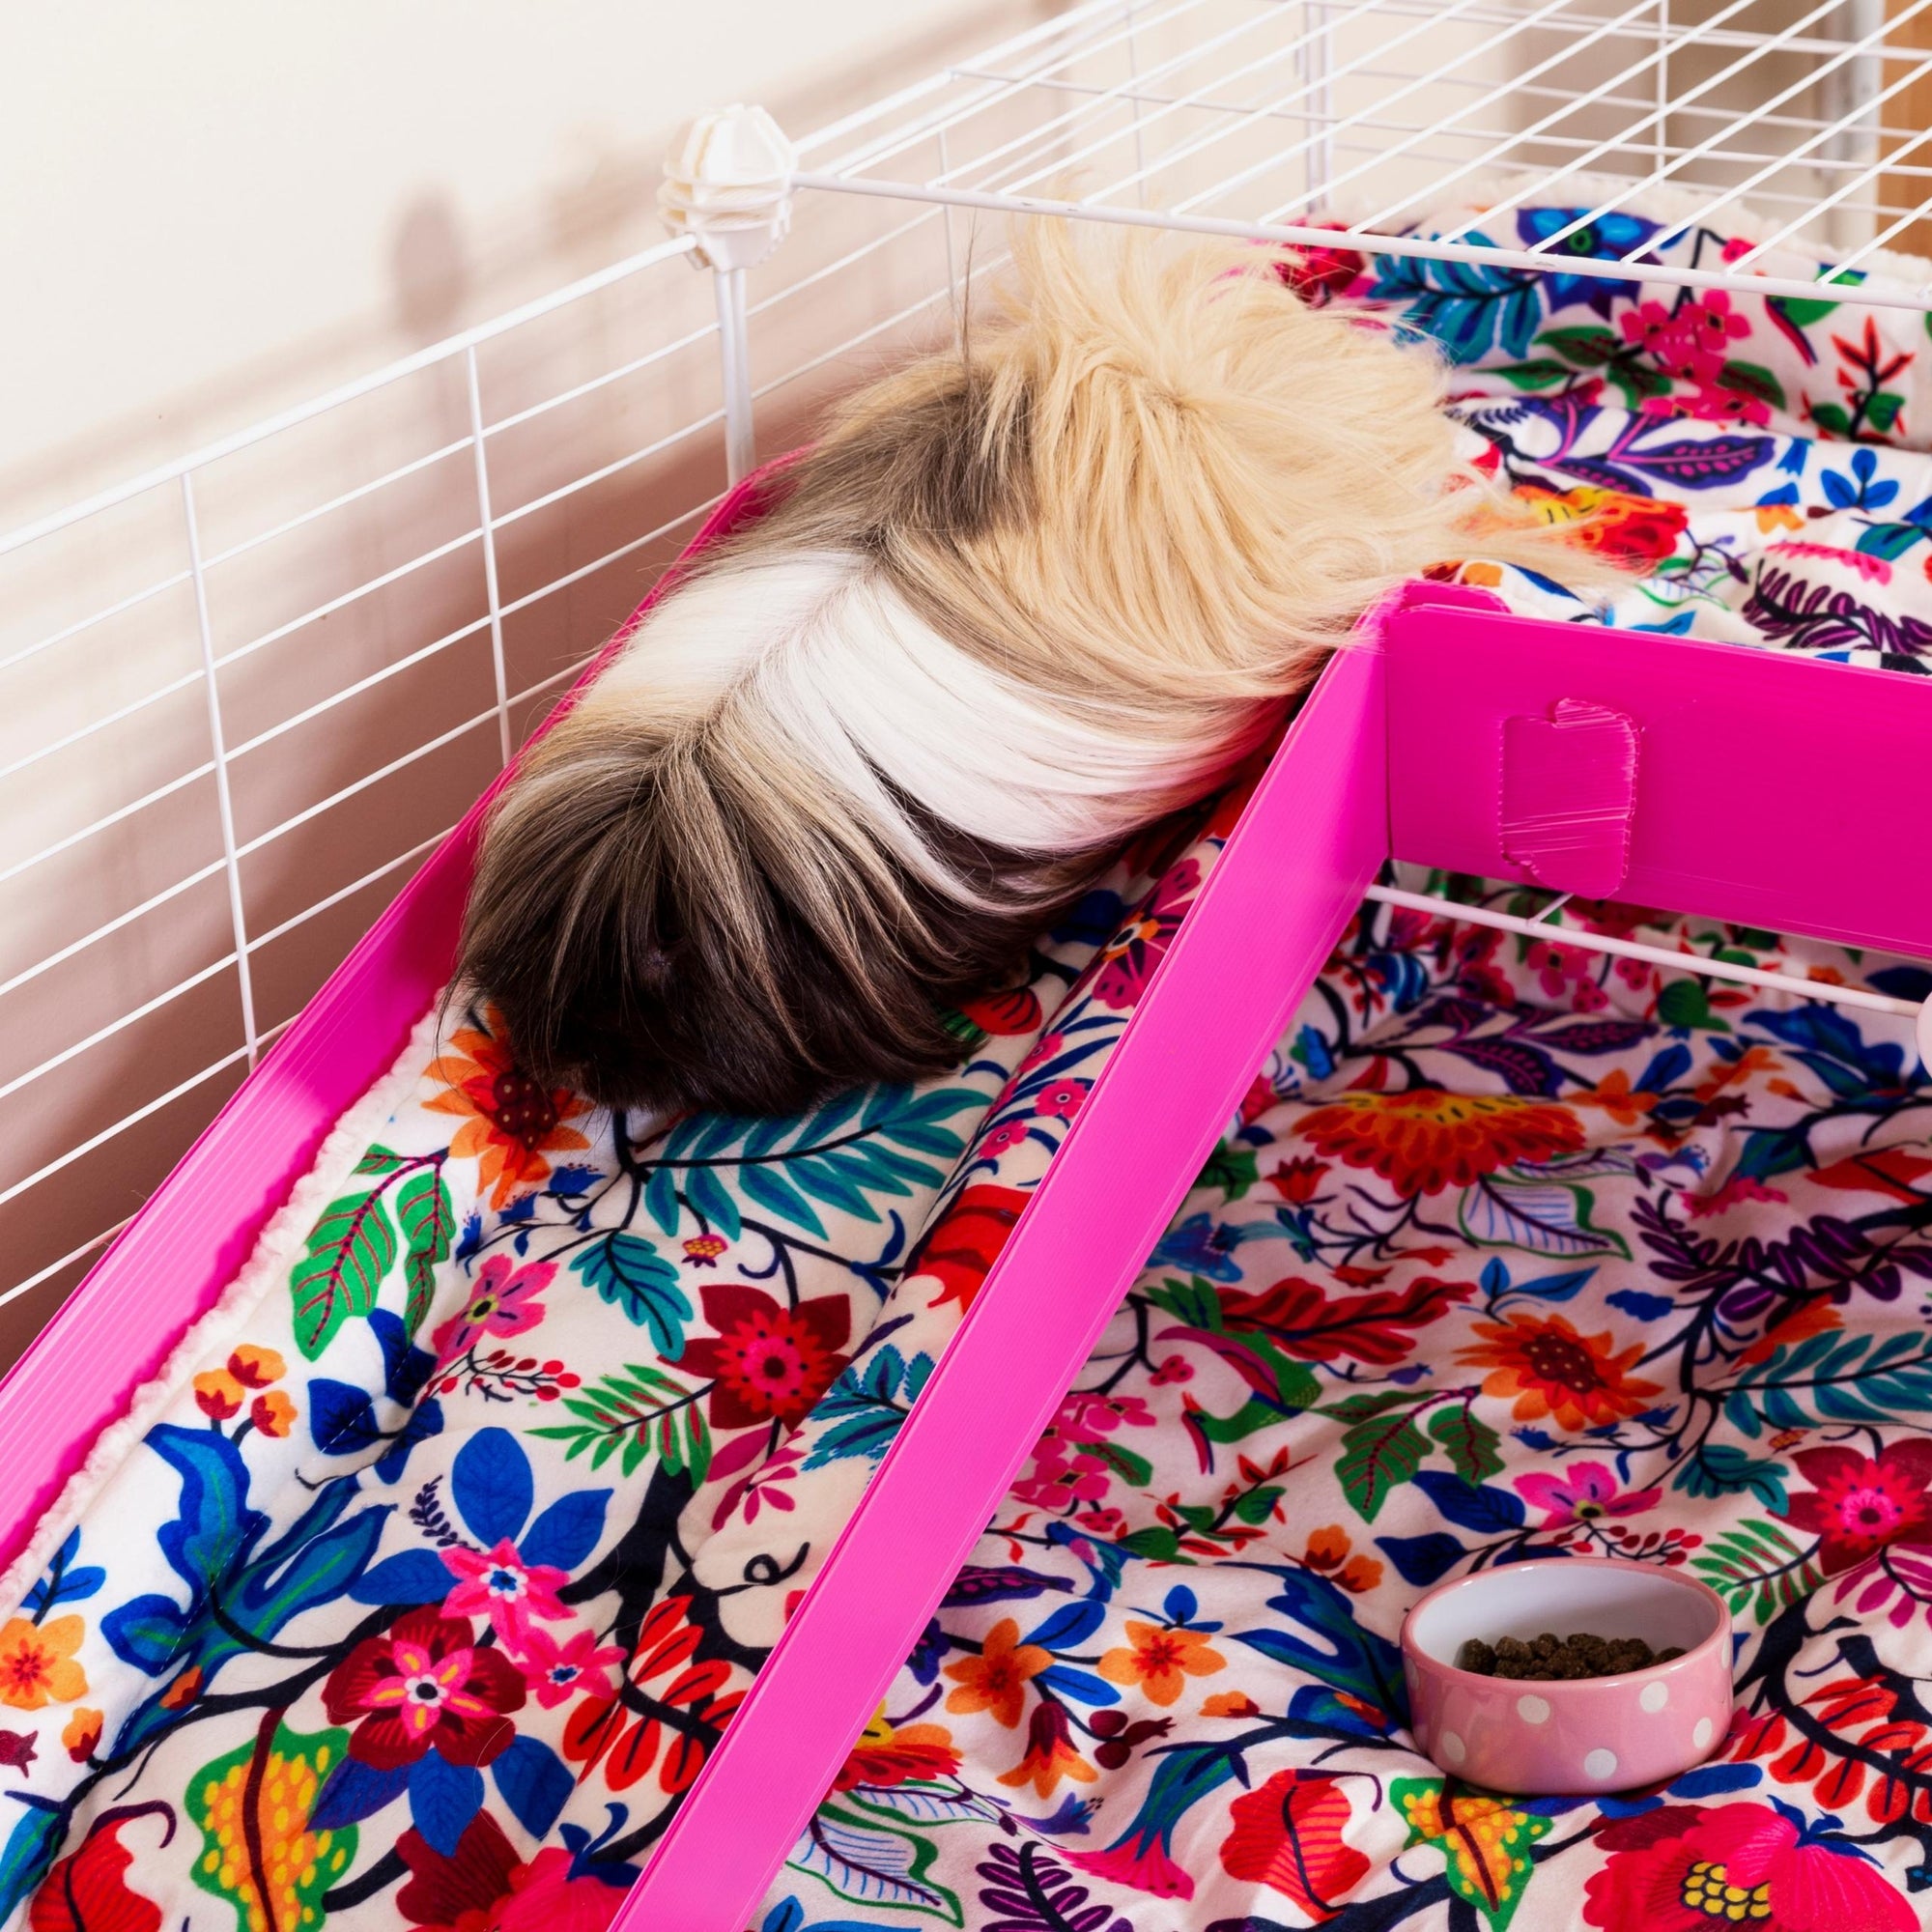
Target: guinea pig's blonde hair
[[1019, 601]]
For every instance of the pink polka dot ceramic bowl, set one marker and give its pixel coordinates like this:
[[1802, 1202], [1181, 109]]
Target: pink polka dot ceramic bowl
[[1581, 1735]]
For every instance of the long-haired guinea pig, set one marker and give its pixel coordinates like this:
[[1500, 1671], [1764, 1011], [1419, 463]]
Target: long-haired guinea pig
[[1018, 601]]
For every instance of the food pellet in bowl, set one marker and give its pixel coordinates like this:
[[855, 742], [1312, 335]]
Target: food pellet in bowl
[[1547, 1657]]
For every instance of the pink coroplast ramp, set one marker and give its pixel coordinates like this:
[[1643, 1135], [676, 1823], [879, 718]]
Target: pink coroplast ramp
[[1441, 737]]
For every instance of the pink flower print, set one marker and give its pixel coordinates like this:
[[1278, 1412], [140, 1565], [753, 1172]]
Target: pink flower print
[[1002, 1138], [1129, 960], [1873, 569], [558, 1672], [1047, 1047], [1056, 1484], [1692, 345], [504, 1303], [1061, 1101], [1173, 1369], [1581, 1494], [1557, 966], [498, 1583], [1102, 1414]]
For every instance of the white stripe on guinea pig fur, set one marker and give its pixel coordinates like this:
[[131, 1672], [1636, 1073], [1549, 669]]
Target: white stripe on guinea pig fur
[[827, 663]]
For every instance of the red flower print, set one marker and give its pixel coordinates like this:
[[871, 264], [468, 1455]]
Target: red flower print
[[966, 1241], [504, 1303], [1298, 1180], [1287, 1836], [1051, 1755], [1004, 1015], [499, 1584], [1425, 1140], [558, 1672], [1316, 273], [1128, 961], [1857, 1505], [1690, 344], [600, 1731], [425, 1683], [1139, 1861], [767, 1363], [482, 1886], [1692, 1868], [888, 1754], [1735, 1192], [1637, 530], [1008, 1134]]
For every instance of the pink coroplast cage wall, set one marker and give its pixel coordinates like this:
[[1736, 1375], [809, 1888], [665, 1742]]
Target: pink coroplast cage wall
[[458, 590]]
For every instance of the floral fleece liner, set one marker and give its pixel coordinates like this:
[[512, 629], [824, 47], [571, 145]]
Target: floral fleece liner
[[422, 1591]]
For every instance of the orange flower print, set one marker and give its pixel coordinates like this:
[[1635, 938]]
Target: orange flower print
[[256, 1368], [271, 1413], [1612, 1092], [1050, 1754], [218, 1394], [1637, 530], [1729, 1073], [1328, 1551], [1425, 1140], [82, 1734], [511, 1123], [1550, 1370], [184, 1690], [1229, 1704], [996, 1680], [1161, 1659], [37, 1665]]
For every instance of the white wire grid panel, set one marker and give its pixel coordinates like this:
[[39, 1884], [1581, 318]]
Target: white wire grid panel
[[241, 698], [1261, 117]]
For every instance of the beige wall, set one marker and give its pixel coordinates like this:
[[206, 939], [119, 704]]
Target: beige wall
[[212, 208]]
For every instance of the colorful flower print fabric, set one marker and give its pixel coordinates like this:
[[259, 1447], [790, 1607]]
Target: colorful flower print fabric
[[428, 1591]]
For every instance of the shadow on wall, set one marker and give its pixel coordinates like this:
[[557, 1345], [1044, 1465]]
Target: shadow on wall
[[430, 269], [359, 669]]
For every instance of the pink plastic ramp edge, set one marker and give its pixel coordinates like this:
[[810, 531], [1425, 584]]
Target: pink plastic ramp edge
[[171, 1263], [1278, 897], [1773, 791]]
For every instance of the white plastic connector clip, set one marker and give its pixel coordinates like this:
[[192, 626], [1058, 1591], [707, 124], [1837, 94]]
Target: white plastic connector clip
[[728, 185]]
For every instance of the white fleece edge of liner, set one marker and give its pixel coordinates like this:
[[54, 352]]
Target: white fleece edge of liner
[[215, 1331]]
